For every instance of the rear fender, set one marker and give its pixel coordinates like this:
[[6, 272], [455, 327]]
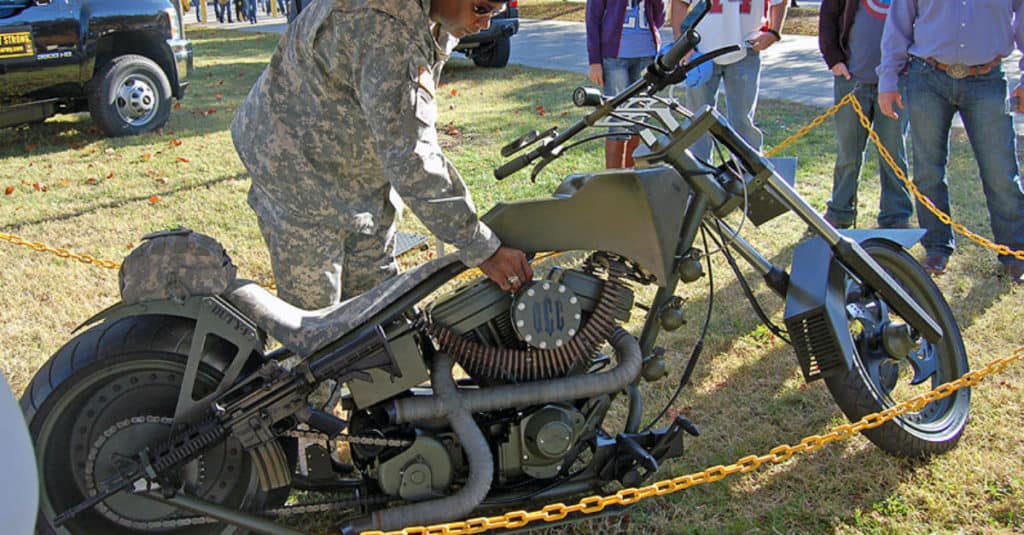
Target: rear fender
[[223, 339], [815, 313]]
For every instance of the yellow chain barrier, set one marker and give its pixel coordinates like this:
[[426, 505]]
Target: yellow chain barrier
[[911, 187], [41, 247], [778, 454]]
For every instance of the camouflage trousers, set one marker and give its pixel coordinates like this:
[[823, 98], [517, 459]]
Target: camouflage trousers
[[317, 265]]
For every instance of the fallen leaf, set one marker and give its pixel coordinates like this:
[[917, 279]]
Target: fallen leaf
[[153, 199], [146, 156], [183, 159], [64, 182], [452, 131], [220, 96], [110, 175], [31, 147], [37, 186], [177, 105], [92, 181], [176, 142], [162, 180], [564, 113], [8, 190], [211, 111], [455, 92], [220, 82], [540, 110]]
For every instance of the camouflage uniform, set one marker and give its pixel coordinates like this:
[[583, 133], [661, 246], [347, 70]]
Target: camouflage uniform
[[344, 113]]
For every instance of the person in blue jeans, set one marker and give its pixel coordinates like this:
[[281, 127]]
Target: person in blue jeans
[[758, 25], [952, 54], [622, 40], [849, 37]]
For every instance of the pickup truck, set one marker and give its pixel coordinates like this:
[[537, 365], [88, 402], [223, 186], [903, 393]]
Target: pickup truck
[[123, 61], [492, 47]]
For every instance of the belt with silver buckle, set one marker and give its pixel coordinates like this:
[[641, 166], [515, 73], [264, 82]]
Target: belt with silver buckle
[[959, 71]]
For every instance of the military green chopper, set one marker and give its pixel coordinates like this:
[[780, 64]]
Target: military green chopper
[[168, 414]]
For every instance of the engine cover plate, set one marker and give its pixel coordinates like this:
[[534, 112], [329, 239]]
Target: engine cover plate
[[546, 314]]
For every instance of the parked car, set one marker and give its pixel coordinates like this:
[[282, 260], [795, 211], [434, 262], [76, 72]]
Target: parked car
[[122, 61], [489, 48], [492, 47]]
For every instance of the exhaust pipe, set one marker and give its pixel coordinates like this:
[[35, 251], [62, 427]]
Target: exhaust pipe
[[458, 408]]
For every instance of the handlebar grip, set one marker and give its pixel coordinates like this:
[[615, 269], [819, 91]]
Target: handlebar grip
[[513, 166], [686, 43]]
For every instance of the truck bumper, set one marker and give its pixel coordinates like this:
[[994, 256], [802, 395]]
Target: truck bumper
[[182, 52]]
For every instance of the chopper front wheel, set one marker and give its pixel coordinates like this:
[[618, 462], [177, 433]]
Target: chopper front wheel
[[891, 364]]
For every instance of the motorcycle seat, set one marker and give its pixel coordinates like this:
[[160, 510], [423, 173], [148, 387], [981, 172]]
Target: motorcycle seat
[[305, 331]]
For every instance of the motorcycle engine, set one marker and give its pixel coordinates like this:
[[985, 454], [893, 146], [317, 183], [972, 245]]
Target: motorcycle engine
[[502, 338]]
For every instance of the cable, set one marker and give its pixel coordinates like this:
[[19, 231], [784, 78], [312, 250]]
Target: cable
[[698, 347], [748, 292]]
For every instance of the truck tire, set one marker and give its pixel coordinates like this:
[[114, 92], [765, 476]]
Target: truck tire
[[130, 95], [494, 55]]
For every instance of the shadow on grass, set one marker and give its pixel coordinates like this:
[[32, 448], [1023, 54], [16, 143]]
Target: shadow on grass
[[168, 194]]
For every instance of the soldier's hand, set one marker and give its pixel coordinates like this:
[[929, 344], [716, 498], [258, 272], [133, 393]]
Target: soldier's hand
[[887, 101], [508, 267]]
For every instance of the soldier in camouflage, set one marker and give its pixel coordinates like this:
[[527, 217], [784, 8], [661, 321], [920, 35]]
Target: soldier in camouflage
[[343, 115]]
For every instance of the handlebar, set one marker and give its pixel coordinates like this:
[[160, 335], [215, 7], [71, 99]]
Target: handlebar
[[659, 75]]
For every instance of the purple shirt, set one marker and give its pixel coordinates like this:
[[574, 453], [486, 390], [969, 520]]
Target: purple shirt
[[971, 32], [604, 26]]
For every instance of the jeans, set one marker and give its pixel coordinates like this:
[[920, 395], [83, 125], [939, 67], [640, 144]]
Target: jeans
[[932, 99], [250, 11], [742, 83], [894, 206], [618, 74]]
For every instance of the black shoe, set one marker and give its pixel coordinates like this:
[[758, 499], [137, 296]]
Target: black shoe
[[903, 225], [1015, 272], [838, 226], [935, 264]]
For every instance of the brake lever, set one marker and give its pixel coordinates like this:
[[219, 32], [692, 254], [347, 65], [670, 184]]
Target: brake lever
[[526, 140]]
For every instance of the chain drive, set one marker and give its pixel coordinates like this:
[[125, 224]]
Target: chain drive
[[279, 512]]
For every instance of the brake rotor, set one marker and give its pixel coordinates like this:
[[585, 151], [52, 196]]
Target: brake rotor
[[211, 476]]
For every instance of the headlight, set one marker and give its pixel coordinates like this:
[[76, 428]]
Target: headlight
[[172, 16]]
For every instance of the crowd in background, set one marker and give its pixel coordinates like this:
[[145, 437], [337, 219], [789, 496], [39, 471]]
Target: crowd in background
[[238, 10]]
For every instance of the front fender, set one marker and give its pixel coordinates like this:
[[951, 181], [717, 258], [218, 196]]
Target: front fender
[[815, 313]]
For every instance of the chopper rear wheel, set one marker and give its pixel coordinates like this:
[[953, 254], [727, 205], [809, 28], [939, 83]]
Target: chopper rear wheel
[[104, 396]]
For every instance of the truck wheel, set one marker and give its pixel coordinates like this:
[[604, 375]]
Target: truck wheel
[[130, 95], [495, 54]]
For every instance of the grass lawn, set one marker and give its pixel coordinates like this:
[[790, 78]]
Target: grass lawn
[[67, 186], [799, 20]]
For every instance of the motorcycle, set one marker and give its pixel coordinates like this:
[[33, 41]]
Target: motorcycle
[[169, 414]]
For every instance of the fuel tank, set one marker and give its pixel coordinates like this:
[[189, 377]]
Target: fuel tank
[[636, 213]]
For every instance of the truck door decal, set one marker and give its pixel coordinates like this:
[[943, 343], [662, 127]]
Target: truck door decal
[[16, 45]]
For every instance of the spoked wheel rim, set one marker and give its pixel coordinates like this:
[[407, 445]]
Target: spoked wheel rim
[[896, 364], [112, 414]]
